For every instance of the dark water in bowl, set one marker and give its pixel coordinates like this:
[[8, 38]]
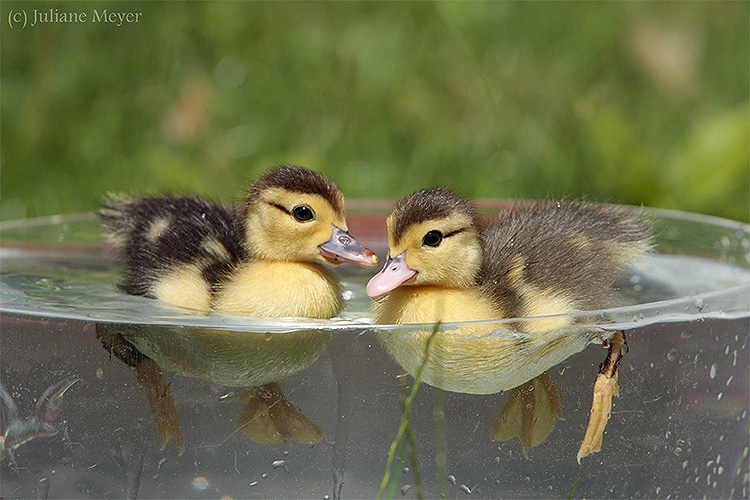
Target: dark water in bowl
[[679, 428]]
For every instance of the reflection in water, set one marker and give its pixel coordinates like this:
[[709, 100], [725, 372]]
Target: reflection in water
[[253, 360], [43, 423]]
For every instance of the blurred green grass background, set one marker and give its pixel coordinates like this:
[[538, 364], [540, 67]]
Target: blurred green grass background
[[629, 102]]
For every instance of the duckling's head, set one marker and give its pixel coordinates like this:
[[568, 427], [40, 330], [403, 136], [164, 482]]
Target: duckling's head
[[433, 239], [295, 214]]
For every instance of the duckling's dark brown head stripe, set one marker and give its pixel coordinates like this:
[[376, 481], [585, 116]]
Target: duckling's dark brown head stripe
[[299, 180], [427, 204]]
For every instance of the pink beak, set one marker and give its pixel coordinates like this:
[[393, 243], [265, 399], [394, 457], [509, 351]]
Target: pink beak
[[342, 247], [395, 273]]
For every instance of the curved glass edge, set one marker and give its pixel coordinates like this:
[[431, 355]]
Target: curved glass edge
[[731, 303], [47, 220]]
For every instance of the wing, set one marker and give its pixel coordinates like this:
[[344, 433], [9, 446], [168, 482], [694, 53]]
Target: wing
[[154, 236], [569, 252]]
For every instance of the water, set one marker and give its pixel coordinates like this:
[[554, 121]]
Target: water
[[679, 427]]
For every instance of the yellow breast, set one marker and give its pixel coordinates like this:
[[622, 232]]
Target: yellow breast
[[278, 289], [482, 358], [429, 304]]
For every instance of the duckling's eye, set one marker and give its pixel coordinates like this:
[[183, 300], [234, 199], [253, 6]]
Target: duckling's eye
[[433, 238], [303, 213]]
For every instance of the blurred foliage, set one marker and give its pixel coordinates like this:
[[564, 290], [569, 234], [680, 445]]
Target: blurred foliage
[[640, 103]]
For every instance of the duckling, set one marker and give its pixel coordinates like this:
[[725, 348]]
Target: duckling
[[542, 261], [261, 258]]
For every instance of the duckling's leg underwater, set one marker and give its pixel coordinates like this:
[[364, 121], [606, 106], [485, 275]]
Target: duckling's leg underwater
[[150, 377], [605, 387]]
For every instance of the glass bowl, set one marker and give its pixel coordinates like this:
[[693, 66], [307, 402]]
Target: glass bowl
[[291, 407]]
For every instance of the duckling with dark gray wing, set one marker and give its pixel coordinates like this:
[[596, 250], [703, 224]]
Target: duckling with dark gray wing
[[262, 258], [542, 260]]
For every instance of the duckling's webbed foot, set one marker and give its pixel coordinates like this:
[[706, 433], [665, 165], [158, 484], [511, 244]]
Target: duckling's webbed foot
[[604, 388], [268, 418], [530, 413]]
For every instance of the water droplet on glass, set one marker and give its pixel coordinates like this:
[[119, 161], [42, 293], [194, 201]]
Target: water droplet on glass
[[286, 453], [326, 497], [347, 295], [405, 470], [712, 372], [562, 370], [719, 396], [465, 489], [405, 489], [672, 355], [678, 451], [224, 397], [279, 464], [254, 483], [452, 479], [200, 483], [264, 475], [699, 305]]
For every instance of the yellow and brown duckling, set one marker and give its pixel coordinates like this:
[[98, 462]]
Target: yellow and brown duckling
[[261, 258], [540, 260]]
